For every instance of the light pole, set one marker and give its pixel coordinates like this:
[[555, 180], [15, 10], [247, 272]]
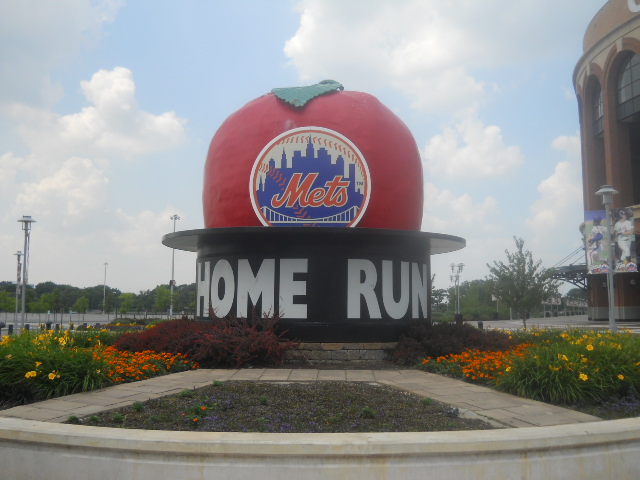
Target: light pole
[[607, 192], [26, 221], [15, 317], [173, 217], [456, 270], [104, 289]]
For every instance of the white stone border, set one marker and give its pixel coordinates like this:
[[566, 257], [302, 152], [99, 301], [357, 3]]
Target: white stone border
[[599, 450]]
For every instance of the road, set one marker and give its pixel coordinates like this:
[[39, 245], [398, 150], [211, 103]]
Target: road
[[577, 321]]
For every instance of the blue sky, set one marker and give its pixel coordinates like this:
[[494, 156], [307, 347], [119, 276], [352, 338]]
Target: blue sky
[[107, 109]]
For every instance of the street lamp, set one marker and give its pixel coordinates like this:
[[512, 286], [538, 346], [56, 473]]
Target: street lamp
[[173, 217], [26, 221], [607, 192], [15, 317], [456, 270], [104, 289]]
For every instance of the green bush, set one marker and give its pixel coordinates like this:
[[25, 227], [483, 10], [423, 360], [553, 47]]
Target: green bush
[[578, 367], [36, 366]]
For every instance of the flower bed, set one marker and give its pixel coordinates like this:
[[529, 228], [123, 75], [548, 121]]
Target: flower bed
[[39, 365], [572, 367]]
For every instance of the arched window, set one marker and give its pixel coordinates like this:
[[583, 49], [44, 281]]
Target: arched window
[[629, 89], [598, 112]]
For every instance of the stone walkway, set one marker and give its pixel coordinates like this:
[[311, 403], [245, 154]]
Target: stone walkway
[[472, 400]]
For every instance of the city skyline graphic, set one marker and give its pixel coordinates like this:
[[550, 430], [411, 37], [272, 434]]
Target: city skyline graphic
[[310, 177]]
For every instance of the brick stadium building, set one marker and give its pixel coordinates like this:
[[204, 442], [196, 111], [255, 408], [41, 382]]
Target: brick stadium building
[[607, 84]]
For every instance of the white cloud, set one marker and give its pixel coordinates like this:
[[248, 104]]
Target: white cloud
[[114, 123], [471, 149], [139, 234], [9, 166], [558, 211], [64, 179], [77, 188], [57, 32], [434, 52], [444, 212], [365, 45]]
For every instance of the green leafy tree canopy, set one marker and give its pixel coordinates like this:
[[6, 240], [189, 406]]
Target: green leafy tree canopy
[[521, 282]]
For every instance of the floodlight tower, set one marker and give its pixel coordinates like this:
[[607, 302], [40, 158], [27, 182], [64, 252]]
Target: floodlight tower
[[19, 276], [26, 221], [104, 289], [456, 270], [607, 192], [173, 217]]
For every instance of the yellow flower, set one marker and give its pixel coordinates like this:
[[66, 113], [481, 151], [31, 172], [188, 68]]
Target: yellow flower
[[38, 364], [589, 347], [53, 375], [62, 340], [9, 357], [30, 374], [620, 376], [583, 377]]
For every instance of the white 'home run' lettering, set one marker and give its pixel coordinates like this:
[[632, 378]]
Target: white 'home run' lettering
[[290, 287], [252, 287], [395, 309], [362, 278], [218, 287], [221, 283], [222, 273]]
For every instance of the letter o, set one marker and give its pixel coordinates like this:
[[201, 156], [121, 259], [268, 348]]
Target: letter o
[[222, 272]]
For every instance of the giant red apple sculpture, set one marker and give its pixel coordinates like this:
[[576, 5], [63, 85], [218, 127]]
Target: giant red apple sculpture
[[313, 156]]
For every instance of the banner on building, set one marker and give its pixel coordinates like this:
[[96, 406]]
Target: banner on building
[[622, 237]]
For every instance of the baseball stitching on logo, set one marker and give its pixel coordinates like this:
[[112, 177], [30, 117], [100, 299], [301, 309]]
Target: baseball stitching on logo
[[270, 169]]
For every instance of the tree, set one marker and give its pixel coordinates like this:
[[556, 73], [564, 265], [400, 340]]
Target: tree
[[577, 293], [438, 296], [81, 305], [7, 302], [477, 298], [127, 301], [521, 283], [162, 298]]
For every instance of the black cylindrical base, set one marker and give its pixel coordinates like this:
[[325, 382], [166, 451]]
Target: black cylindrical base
[[327, 284]]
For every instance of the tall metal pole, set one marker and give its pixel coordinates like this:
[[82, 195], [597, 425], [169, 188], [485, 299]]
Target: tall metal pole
[[174, 217], [104, 289], [607, 192], [610, 272], [26, 221], [15, 317], [456, 270]]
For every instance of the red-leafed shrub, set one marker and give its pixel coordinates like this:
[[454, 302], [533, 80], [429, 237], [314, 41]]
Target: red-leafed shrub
[[163, 337], [236, 342], [231, 342]]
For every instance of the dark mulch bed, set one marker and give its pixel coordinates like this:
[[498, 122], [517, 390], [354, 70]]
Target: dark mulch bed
[[315, 407]]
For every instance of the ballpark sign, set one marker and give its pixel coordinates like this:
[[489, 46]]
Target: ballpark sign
[[308, 177], [373, 289]]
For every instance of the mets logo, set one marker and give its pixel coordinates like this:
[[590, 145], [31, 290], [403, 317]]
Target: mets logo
[[310, 177]]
